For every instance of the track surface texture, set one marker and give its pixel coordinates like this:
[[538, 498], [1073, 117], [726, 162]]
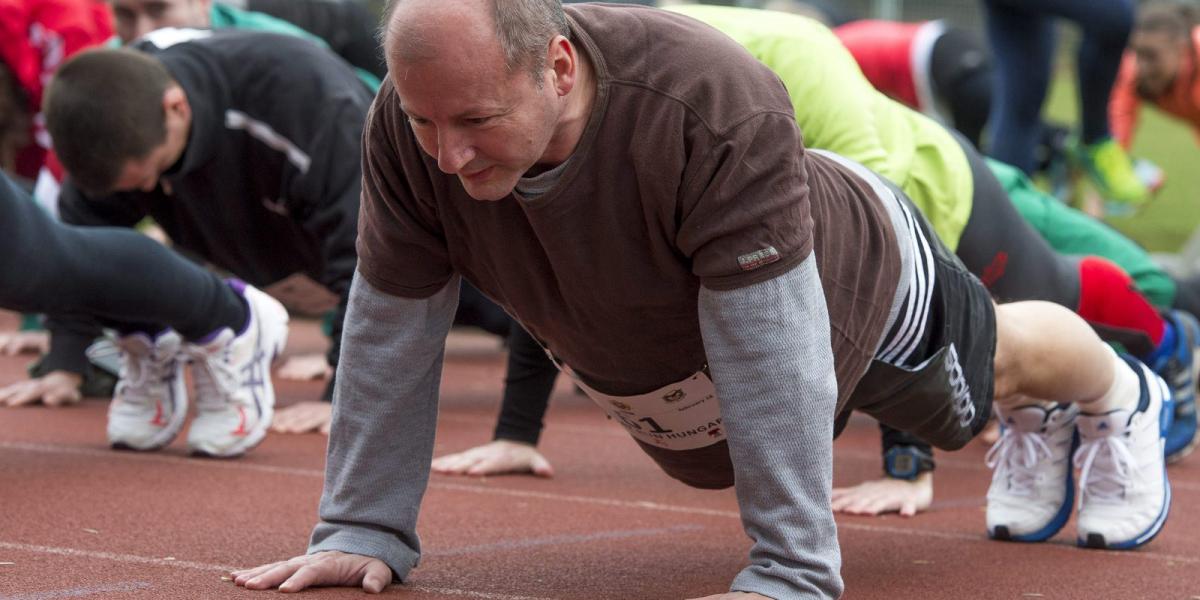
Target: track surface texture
[[78, 520]]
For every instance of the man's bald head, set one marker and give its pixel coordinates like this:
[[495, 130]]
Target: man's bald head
[[519, 30]]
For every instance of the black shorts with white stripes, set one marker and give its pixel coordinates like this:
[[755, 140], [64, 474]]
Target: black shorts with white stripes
[[942, 390]]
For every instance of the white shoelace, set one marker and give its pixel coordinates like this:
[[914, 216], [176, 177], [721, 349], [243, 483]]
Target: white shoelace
[[1016, 455], [150, 372], [1105, 468], [214, 379]]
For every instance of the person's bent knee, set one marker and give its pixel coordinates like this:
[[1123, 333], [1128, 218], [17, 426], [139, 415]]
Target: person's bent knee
[[1010, 339]]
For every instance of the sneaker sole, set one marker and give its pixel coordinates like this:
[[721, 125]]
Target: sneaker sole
[[1097, 541]]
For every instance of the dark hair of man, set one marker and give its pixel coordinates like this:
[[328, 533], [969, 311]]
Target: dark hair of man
[[104, 108], [1172, 18]]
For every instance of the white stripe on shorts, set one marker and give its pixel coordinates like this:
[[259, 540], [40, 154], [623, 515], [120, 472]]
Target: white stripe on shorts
[[910, 327]]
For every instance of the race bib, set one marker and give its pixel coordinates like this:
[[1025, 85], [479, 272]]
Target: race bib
[[680, 416]]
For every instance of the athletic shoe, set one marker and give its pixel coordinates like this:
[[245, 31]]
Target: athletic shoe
[[149, 403], [1111, 169], [235, 400], [1124, 495], [1032, 489], [1179, 369]]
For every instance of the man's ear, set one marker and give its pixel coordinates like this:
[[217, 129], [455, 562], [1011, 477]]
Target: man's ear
[[175, 104], [563, 62]]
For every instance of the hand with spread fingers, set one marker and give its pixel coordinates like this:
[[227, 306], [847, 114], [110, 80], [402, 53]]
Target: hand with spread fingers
[[24, 342], [303, 417], [495, 458], [886, 495], [322, 569], [57, 388], [306, 367]]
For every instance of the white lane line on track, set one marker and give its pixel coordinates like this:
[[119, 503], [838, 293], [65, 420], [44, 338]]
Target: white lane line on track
[[596, 501], [82, 591], [212, 463], [559, 540], [196, 566], [113, 556]]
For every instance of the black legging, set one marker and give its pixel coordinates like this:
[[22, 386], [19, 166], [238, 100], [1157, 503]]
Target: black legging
[[119, 276], [1005, 252]]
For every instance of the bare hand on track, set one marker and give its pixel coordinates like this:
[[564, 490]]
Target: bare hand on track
[[495, 458], [57, 388], [306, 367], [24, 342], [885, 495], [323, 569], [303, 417]]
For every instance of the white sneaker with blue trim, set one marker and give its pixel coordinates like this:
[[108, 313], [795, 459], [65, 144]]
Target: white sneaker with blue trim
[[1032, 487], [1124, 494]]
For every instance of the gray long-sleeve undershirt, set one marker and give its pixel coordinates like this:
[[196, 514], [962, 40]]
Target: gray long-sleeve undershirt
[[768, 348], [771, 361], [384, 419]]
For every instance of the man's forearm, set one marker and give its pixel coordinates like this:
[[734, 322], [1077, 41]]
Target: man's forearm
[[69, 340], [769, 353], [384, 417]]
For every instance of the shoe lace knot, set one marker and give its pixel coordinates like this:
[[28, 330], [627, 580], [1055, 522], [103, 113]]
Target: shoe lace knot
[[217, 381], [143, 374], [1015, 456], [1106, 467]]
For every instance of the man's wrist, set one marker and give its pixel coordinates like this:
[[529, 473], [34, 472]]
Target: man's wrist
[[907, 462]]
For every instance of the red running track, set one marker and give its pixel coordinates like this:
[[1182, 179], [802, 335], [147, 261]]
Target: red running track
[[78, 520]]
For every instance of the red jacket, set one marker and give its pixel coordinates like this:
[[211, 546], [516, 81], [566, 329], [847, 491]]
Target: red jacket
[[35, 37], [883, 50]]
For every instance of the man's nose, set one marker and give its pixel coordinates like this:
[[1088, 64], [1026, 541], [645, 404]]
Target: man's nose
[[454, 151]]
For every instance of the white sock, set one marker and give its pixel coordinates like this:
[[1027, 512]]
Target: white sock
[[1124, 392]]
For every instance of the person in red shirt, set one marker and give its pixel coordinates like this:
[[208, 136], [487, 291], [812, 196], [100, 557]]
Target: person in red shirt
[[940, 70], [1160, 68], [35, 37]]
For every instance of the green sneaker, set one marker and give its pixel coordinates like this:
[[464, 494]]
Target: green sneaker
[[1111, 170]]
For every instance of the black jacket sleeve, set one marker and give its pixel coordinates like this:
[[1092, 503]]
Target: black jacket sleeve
[[325, 199]]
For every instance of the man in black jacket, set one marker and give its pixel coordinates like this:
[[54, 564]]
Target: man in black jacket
[[243, 147]]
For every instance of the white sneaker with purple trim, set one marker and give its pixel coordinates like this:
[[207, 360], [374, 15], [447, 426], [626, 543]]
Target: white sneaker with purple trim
[[150, 402], [235, 399]]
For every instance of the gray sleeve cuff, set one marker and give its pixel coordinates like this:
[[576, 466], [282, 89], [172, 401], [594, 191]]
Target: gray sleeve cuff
[[353, 539], [384, 418]]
